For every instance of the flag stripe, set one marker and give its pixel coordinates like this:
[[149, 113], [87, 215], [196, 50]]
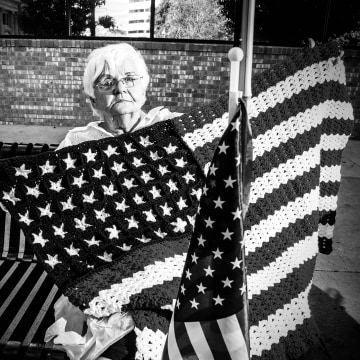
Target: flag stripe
[[233, 337], [171, 349], [198, 340], [216, 339], [183, 340]]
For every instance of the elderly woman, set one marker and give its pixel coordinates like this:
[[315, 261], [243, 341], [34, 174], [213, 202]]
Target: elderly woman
[[115, 79]]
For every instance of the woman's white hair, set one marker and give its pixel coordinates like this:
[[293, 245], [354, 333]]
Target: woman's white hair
[[111, 56]]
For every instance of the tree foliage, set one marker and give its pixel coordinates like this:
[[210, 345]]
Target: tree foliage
[[107, 21], [48, 17], [191, 19], [286, 22]]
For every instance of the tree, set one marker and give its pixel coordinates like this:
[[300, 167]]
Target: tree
[[107, 21], [292, 22], [48, 17], [191, 19]]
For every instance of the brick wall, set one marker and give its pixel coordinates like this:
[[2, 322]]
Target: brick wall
[[41, 79]]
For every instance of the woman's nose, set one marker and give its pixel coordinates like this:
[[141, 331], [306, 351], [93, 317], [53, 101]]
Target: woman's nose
[[119, 87]]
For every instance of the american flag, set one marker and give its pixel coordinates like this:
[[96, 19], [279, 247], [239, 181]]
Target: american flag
[[210, 315]]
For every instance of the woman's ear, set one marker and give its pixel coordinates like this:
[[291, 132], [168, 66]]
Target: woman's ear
[[93, 102]]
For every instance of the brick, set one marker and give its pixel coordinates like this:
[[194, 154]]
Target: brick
[[43, 77]]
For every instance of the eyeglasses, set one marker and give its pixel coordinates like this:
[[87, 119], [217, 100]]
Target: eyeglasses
[[108, 83]]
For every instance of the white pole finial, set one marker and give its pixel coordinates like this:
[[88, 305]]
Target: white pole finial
[[235, 56]]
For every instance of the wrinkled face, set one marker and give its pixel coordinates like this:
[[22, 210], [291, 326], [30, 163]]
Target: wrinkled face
[[121, 93]]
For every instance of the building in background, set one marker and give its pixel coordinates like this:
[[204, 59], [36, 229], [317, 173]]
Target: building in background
[[9, 10], [139, 18], [131, 16]]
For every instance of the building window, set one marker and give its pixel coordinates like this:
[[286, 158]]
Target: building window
[[136, 32], [136, 21], [136, 11], [5, 19]]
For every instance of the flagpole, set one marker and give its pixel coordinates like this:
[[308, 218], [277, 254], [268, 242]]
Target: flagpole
[[240, 89], [247, 41]]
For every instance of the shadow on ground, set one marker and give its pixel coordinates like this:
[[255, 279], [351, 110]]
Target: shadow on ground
[[339, 331]]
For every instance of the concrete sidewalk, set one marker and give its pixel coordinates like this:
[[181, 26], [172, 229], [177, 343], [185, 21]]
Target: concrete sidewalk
[[335, 296]]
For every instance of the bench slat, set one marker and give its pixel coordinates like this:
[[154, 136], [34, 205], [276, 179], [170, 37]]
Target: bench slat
[[5, 250], [40, 316], [6, 337], [9, 273], [16, 288]]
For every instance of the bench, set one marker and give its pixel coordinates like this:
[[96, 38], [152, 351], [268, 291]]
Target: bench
[[27, 294]]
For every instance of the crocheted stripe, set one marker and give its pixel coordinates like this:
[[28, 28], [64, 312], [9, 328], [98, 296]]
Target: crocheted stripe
[[203, 127], [273, 224], [297, 150], [327, 203], [318, 115], [156, 296], [321, 93], [284, 171], [208, 133], [307, 61], [198, 117], [149, 343], [203, 153], [285, 193], [299, 253], [295, 344], [326, 230], [300, 60], [288, 237], [112, 288], [333, 141], [331, 157], [295, 282], [327, 217], [330, 173], [280, 323], [329, 188]]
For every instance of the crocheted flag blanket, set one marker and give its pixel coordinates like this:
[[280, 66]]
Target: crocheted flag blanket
[[110, 220], [301, 118]]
